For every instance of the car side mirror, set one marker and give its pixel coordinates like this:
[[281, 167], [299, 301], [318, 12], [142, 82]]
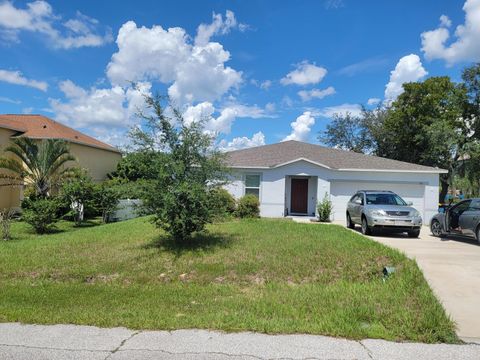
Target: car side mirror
[[358, 202], [409, 203]]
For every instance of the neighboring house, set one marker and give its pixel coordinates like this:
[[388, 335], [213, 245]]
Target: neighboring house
[[291, 177], [95, 156]]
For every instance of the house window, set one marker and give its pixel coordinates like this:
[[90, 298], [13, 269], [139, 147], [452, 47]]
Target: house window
[[252, 185]]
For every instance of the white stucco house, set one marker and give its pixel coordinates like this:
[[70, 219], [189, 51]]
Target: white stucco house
[[291, 177]]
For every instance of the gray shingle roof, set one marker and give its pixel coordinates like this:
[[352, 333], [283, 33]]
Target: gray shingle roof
[[269, 156]]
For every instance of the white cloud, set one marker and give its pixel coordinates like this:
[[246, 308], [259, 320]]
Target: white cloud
[[265, 85], [307, 95], [217, 27], [9, 100], [305, 74], [445, 21], [223, 122], [328, 112], [38, 17], [373, 101], [196, 73], [408, 69], [301, 127], [465, 46], [258, 139], [17, 78], [99, 108]]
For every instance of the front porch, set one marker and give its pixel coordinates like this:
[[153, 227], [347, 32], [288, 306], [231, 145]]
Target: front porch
[[301, 195]]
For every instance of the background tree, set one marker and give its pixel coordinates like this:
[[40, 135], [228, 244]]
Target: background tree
[[362, 133], [426, 125], [179, 196], [41, 164]]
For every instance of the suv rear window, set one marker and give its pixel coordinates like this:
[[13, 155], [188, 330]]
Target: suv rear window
[[384, 199]]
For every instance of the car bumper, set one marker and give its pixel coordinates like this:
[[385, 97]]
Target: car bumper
[[406, 223]]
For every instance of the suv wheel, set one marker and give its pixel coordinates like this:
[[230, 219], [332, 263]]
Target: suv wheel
[[436, 228], [366, 230], [350, 223], [478, 234]]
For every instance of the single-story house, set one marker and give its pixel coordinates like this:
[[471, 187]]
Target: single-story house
[[97, 157], [291, 177]]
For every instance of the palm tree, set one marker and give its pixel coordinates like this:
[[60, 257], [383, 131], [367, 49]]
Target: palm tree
[[41, 164]]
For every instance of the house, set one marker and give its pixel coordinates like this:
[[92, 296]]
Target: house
[[291, 177], [95, 156]]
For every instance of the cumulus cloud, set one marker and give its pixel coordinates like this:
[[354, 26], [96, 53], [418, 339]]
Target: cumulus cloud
[[408, 69], [329, 111], [301, 127], [227, 115], [243, 142], [307, 95], [466, 44], [305, 74], [218, 26], [17, 78], [373, 101], [99, 108], [39, 17], [196, 73]]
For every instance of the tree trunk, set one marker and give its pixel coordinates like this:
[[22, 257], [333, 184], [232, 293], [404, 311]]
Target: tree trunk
[[444, 187]]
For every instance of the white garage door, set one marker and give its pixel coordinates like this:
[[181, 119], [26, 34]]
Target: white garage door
[[342, 191]]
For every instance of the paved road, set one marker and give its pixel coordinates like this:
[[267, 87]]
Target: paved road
[[452, 268], [71, 342]]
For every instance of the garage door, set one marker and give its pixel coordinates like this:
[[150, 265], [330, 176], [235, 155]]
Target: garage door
[[342, 191]]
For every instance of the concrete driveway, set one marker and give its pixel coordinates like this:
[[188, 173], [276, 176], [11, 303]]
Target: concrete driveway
[[451, 266]]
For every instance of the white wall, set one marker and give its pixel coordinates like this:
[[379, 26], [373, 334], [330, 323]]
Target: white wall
[[274, 189]]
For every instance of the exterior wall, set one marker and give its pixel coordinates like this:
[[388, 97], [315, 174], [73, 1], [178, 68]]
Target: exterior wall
[[9, 197], [97, 162], [275, 187]]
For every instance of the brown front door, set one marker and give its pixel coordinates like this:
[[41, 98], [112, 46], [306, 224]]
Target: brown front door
[[299, 200]]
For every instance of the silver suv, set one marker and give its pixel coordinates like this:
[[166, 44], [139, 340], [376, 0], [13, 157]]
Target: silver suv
[[374, 209]]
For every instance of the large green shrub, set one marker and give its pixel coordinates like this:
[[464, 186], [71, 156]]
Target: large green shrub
[[324, 209], [248, 207], [41, 214], [222, 203], [179, 197]]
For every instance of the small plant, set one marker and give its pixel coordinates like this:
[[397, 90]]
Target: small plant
[[106, 201], [6, 216], [41, 215], [324, 209], [78, 192], [248, 207]]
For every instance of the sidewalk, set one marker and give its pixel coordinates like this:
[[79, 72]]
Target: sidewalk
[[39, 342]]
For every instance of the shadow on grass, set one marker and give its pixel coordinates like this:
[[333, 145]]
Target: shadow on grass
[[204, 241]]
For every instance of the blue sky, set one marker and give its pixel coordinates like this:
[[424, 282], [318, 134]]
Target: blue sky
[[258, 71]]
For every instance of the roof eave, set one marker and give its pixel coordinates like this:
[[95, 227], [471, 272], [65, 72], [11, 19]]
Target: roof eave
[[112, 149]]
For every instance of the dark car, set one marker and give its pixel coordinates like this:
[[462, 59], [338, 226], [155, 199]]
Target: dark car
[[460, 219]]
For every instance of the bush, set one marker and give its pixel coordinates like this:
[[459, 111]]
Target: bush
[[41, 214], [325, 209], [6, 216], [78, 193], [222, 204], [248, 207], [106, 200]]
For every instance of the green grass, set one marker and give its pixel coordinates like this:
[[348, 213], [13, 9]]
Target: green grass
[[272, 276]]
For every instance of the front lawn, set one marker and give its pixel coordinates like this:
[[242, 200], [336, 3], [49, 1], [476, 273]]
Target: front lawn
[[272, 276]]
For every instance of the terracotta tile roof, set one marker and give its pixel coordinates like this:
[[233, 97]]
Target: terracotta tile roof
[[270, 156], [41, 127]]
